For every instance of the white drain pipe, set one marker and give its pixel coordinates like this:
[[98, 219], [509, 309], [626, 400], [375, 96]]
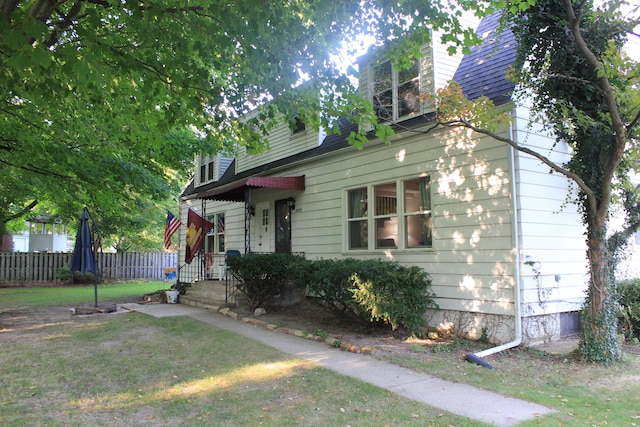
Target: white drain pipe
[[517, 311]]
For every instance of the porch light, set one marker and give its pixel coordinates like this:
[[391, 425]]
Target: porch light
[[291, 203]]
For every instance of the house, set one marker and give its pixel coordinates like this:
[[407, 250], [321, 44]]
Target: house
[[489, 224], [44, 234]]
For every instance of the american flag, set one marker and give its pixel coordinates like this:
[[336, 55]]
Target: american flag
[[171, 226]]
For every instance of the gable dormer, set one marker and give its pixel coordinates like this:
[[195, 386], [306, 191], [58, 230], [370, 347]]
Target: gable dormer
[[398, 94], [210, 168]]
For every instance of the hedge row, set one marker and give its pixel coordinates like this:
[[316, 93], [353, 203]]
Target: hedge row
[[368, 291]]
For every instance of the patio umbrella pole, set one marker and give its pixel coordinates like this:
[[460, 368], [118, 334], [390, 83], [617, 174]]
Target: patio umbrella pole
[[83, 259], [95, 289], [94, 253]]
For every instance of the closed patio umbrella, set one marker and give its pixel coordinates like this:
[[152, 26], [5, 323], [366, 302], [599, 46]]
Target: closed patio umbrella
[[83, 258]]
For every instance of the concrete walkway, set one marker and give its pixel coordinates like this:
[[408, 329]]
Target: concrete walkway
[[456, 398]]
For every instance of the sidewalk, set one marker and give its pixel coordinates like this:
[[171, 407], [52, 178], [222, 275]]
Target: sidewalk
[[456, 398]]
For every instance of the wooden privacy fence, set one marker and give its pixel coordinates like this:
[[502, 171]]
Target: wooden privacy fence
[[24, 267]]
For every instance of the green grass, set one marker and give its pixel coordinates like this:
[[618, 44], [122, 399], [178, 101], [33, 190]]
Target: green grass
[[134, 369], [583, 394], [70, 295], [138, 370]]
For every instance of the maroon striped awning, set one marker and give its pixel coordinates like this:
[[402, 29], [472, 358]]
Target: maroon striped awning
[[235, 191], [279, 182]]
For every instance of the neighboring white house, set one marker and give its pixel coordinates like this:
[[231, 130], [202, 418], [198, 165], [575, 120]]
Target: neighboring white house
[[629, 267], [44, 234], [486, 222]]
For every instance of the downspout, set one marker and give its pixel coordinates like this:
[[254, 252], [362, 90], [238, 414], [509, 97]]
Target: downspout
[[517, 311]]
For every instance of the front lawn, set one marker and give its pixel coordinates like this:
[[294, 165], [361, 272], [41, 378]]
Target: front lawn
[[57, 369]]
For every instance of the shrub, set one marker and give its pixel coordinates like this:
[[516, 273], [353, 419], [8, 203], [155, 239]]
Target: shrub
[[628, 292], [330, 281], [263, 276], [64, 274], [372, 291]]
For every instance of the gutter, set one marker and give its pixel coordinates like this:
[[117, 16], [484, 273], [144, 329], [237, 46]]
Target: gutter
[[477, 358]]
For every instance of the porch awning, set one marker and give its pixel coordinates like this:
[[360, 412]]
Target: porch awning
[[278, 182], [235, 191]]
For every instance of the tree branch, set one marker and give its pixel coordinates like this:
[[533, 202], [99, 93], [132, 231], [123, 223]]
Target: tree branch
[[466, 124], [21, 212], [575, 177], [575, 79], [633, 122], [39, 171], [609, 98]]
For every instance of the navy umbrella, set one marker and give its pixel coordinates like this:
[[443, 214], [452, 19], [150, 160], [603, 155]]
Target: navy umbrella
[[83, 259]]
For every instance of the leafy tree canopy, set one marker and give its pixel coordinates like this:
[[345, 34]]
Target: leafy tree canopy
[[105, 102]]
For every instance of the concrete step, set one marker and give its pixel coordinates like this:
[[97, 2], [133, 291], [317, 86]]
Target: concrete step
[[195, 301], [211, 292]]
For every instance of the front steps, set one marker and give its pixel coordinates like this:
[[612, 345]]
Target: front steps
[[207, 294]]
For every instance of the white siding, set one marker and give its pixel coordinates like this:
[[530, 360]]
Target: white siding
[[552, 233], [281, 144], [473, 259], [471, 262], [445, 65]]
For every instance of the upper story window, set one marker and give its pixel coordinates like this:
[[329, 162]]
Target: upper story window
[[298, 127], [210, 171], [396, 93], [210, 168], [395, 219]]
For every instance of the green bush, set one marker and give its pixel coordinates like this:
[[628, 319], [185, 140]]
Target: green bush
[[64, 274], [263, 276], [372, 291], [330, 281], [628, 292]]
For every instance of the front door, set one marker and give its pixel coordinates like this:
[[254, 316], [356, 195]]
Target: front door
[[263, 228], [283, 226]]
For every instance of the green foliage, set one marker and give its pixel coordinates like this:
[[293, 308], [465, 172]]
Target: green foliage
[[64, 274], [331, 282], [598, 337], [126, 93], [263, 276], [372, 291], [629, 309]]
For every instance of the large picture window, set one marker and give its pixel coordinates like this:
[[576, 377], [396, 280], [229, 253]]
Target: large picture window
[[399, 216], [396, 93]]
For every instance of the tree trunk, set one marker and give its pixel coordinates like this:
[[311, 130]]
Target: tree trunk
[[598, 334]]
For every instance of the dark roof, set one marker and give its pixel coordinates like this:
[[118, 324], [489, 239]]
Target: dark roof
[[483, 71], [330, 144]]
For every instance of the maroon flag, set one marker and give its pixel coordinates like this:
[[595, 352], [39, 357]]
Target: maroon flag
[[170, 226], [197, 227]]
